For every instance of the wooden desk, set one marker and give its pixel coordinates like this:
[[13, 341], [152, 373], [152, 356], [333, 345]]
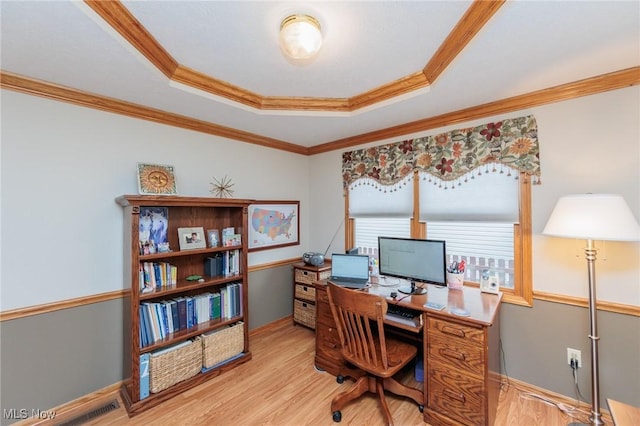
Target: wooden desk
[[623, 414], [461, 354]]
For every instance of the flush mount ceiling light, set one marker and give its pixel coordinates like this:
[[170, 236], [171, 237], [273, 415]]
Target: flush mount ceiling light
[[300, 36]]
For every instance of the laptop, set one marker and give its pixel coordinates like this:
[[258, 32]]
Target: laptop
[[349, 270]]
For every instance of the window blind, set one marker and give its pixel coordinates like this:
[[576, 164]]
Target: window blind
[[368, 199], [487, 197]]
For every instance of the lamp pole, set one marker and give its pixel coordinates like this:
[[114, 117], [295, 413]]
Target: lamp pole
[[591, 253]]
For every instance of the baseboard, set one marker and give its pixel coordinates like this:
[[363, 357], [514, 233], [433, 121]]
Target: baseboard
[[554, 398], [272, 325], [70, 410]]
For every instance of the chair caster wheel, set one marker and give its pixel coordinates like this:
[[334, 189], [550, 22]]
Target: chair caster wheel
[[421, 408], [337, 416], [340, 380]]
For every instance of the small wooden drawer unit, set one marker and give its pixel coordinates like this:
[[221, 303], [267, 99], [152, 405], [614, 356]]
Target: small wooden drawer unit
[[304, 293], [456, 375]]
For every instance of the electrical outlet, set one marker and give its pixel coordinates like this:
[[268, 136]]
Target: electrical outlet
[[574, 354]]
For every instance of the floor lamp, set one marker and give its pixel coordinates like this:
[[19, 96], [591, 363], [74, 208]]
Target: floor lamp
[[605, 217]]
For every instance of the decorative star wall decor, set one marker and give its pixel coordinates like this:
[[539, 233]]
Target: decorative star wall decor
[[221, 188]]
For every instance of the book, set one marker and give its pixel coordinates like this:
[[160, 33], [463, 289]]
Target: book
[[157, 275], [182, 312], [144, 376], [190, 312], [141, 333], [215, 306], [174, 315], [153, 322]]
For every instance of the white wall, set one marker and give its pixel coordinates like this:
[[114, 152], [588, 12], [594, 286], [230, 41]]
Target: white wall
[[62, 168], [589, 144]]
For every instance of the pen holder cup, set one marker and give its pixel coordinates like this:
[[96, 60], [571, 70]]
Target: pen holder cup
[[455, 281]]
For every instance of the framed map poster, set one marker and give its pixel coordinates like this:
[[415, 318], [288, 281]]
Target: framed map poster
[[274, 224]]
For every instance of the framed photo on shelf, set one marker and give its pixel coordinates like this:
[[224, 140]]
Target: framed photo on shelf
[[274, 224], [213, 238], [191, 238], [153, 230], [156, 179]]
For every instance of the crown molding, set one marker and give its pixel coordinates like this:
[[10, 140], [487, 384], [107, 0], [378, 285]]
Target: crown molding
[[589, 86], [118, 17]]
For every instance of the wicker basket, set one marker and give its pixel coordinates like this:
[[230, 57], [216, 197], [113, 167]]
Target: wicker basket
[[305, 292], [222, 344], [168, 367], [305, 277], [304, 313], [309, 277]]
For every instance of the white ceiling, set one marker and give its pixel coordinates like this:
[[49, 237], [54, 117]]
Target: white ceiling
[[526, 46]]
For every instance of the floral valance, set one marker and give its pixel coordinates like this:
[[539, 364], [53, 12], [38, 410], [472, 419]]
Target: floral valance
[[512, 143]]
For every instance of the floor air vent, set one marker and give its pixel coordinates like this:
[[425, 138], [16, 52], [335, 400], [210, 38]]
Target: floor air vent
[[96, 412]]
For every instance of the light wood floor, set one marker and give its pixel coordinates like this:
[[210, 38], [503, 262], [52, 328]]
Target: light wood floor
[[280, 386]]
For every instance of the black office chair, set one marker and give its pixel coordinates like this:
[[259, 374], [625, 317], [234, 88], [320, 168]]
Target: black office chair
[[365, 346]]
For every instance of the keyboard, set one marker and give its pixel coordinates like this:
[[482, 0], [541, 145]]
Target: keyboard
[[349, 283], [402, 315]]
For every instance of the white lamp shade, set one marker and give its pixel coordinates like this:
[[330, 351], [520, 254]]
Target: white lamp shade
[[300, 36], [604, 217]]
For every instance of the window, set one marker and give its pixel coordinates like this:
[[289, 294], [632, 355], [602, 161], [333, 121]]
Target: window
[[486, 221], [376, 210], [476, 216], [367, 230], [481, 245], [469, 177]]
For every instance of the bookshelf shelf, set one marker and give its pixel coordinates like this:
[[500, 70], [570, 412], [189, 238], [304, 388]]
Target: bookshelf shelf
[[180, 253], [186, 286], [153, 318], [188, 334]]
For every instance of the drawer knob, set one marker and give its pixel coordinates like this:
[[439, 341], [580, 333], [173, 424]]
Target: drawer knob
[[453, 331], [452, 354], [453, 395]]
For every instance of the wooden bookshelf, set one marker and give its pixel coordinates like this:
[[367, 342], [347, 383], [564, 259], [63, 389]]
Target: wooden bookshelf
[[182, 212]]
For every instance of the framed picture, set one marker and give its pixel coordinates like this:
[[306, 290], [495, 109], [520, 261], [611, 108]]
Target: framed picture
[[213, 238], [156, 179], [274, 224], [153, 227], [191, 238]]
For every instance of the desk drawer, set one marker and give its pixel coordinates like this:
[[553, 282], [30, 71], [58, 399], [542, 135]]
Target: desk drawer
[[457, 331], [328, 342], [321, 296], [455, 395], [324, 315], [457, 355], [305, 292]]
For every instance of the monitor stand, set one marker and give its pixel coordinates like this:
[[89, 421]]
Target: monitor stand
[[413, 290]]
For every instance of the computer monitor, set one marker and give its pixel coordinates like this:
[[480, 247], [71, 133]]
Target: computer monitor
[[413, 259]]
